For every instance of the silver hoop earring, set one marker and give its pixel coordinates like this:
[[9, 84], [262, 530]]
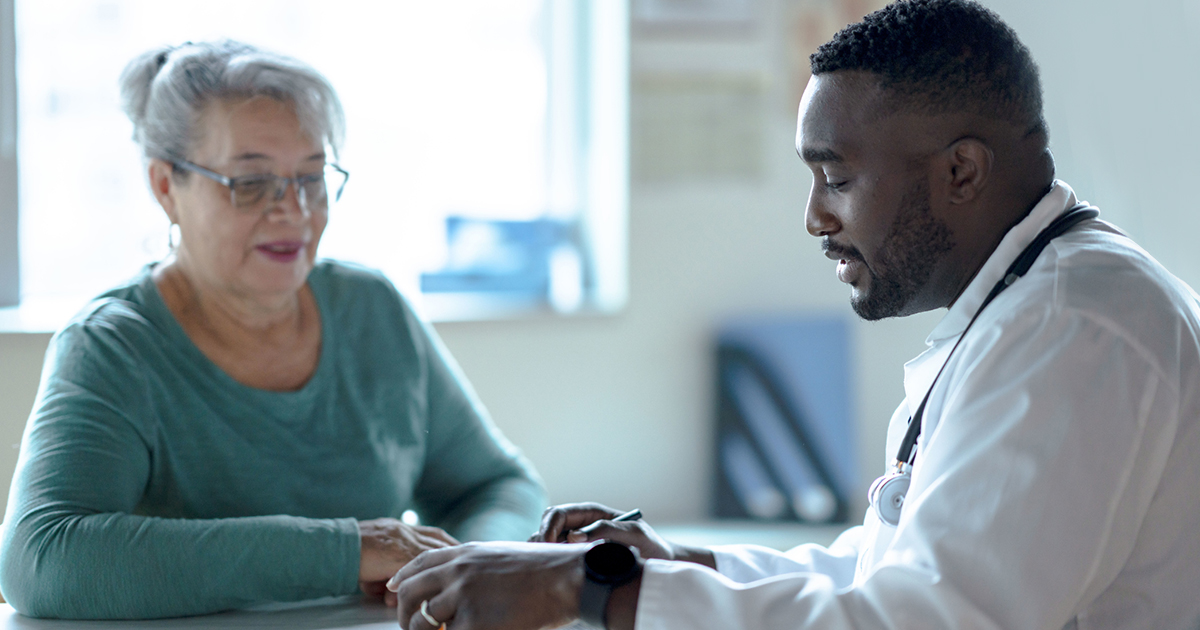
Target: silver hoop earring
[[174, 235]]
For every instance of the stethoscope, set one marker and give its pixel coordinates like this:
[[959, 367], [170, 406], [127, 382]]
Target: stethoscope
[[887, 493]]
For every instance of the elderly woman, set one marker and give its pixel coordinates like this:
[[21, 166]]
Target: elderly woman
[[240, 423]]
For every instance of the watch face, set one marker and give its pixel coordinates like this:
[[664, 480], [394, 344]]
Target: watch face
[[611, 563]]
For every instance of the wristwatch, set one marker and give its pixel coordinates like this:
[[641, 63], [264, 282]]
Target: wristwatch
[[606, 566]]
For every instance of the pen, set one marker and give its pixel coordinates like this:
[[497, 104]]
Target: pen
[[631, 515]]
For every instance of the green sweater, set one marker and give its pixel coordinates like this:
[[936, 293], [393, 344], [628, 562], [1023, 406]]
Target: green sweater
[[151, 484]]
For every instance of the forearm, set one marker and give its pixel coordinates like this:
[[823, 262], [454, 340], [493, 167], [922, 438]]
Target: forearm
[[621, 613], [508, 508], [695, 555], [749, 563], [622, 606], [122, 566]]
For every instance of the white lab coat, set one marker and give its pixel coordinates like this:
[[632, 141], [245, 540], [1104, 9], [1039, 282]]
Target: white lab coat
[[1057, 481]]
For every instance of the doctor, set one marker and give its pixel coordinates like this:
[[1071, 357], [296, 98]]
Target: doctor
[[1047, 477]]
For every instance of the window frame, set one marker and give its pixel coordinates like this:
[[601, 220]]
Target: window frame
[[10, 271], [601, 125]]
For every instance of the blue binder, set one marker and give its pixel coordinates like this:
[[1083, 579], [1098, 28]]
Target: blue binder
[[785, 439]]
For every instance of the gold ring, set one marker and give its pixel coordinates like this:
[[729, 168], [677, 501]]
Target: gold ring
[[428, 617]]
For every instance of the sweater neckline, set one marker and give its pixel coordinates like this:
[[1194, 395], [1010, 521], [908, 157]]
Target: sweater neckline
[[179, 338]]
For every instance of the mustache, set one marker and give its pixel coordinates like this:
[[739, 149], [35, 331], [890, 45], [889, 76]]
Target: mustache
[[845, 252]]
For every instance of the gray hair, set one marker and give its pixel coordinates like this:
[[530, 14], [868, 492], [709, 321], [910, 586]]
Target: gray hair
[[165, 91]]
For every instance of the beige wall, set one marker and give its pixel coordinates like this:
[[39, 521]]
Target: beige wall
[[617, 409], [20, 369]]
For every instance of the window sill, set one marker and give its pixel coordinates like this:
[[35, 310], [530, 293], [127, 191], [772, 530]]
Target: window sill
[[47, 315], [44, 315], [482, 307], [774, 534]]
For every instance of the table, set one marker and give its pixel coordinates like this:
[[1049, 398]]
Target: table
[[354, 612], [329, 613], [776, 535]]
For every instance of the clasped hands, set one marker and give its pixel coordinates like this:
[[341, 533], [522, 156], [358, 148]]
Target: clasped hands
[[519, 586], [387, 544]]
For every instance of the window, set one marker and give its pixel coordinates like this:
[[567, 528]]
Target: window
[[486, 143]]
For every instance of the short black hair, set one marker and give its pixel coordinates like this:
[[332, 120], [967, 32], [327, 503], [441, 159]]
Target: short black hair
[[942, 56]]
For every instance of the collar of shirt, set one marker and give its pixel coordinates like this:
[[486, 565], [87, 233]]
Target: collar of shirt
[[920, 372]]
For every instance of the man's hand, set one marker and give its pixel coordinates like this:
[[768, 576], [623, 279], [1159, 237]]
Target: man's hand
[[387, 546], [493, 586], [561, 524], [560, 520]]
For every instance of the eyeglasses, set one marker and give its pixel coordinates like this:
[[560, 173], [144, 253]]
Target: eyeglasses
[[251, 191]]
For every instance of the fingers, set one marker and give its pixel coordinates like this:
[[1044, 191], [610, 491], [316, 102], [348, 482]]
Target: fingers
[[389, 544], [559, 520], [424, 562], [437, 534], [378, 590], [431, 614], [633, 533], [422, 542], [497, 585], [608, 530], [413, 589], [372, 589], [501, 585]]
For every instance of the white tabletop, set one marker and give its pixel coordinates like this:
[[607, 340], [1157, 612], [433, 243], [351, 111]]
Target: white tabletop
[[358, 613], [331, 613]]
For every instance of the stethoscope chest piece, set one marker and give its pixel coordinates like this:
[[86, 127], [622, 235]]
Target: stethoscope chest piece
[[887, 496]]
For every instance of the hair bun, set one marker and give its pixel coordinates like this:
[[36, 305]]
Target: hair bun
[[137, 81], [164, 91]]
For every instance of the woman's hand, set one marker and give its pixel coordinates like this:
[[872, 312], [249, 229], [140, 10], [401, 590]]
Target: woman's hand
[[561, 524], [389, 544]]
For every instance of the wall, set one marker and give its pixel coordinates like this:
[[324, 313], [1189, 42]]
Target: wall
[[617, 409], [20, 369]]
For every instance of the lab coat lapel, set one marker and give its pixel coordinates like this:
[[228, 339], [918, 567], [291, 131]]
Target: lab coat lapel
[[1060, 199], [920, 372]]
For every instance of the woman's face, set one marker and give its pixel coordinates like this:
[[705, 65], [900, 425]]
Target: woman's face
[[255, 253]]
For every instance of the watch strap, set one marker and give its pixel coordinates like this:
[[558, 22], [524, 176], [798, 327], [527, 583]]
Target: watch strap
[[593, 602], [606, 565]]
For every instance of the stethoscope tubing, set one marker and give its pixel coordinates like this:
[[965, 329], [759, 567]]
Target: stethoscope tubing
[[887, 492]]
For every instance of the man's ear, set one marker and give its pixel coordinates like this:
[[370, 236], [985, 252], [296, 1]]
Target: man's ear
[[162, 185], [968, 167]]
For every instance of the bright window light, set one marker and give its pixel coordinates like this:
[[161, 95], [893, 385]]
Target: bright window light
[[486, 143]]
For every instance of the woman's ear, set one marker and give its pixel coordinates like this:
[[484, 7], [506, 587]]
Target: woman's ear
[[968, 169], [163, 186]]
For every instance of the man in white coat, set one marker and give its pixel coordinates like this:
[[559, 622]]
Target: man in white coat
[[1045, 464]]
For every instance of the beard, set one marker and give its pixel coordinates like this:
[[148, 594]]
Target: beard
[[914, 245]]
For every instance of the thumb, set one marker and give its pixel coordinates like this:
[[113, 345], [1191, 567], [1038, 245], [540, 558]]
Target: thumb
[[629, 533]]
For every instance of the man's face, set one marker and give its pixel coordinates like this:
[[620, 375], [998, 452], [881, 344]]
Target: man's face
[[870, 201]]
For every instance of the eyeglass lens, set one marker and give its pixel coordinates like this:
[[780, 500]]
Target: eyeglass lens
[[311, 190]]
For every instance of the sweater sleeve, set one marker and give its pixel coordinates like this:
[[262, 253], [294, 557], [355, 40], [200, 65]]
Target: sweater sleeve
[[475, 484], [74, 546]]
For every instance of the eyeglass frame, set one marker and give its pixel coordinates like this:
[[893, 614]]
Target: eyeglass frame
[[228, 182]]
